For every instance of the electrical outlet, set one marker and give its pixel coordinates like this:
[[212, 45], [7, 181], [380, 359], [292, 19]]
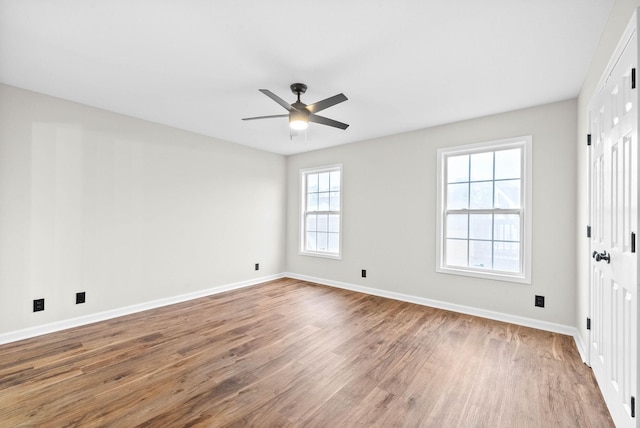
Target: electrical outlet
[[38, 305], [364, 273], [540, 301], [80, 297], [257, 266]]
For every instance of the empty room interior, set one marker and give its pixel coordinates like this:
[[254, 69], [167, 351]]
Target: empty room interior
[[297, 213]]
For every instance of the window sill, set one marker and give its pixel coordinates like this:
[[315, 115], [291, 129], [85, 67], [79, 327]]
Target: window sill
[[522, 279], [321, 255]]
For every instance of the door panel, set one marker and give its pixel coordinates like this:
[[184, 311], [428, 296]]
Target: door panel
[[614, 214]]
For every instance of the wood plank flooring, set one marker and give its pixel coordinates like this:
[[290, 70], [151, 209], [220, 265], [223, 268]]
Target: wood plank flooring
[[289, 353]]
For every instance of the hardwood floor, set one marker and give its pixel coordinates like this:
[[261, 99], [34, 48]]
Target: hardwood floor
[[291, 353]]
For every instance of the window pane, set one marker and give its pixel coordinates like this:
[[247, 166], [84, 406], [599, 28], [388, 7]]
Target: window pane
[[334, 243], [457, 252], [483, 218], [457, 226], [334, 223], [334, 201], [322, 191], [482, 166], [508, 164], [506, 256], [507, 227], [323, 221], [311, 223], [480, 254], [312, 202], [323, 201], [457, 169], [481, 195], [312, 183], [457, 196], [334, 181], [480, 226], [508, 194], [311, 241], [322, 242], [323, 182]]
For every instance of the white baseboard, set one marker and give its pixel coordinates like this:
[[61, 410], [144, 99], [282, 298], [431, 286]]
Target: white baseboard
[[483, 313], [581, 348], [114, 313], [102, 316]]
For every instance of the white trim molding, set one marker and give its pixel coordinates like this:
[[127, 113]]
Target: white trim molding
[[582, 349], [27, 333], [522, 210], [483, 313], [30, 332], [302, 222]]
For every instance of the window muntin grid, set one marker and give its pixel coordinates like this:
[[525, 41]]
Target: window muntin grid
[[321, 211], [484, 228]]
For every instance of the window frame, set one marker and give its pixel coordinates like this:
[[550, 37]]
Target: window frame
[[304, 173], [525, 210]]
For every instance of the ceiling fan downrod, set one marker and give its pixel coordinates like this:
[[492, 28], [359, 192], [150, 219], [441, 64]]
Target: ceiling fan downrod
[[298, 88]]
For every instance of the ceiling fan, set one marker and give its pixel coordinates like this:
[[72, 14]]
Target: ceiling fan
[[300, 114]]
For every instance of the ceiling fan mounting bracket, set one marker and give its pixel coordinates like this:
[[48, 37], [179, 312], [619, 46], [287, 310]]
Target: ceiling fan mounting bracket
[[298, 88]]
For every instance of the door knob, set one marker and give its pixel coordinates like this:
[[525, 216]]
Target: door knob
[[602, 256]]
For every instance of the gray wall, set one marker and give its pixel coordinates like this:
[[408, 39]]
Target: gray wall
[[389, 214], [130, 211], [126, 210]]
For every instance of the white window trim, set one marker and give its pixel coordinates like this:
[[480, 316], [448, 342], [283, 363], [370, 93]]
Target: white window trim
[[303, 201], [526, 142]]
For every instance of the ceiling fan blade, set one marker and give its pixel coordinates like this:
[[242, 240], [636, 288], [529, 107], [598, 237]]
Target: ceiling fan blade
[[326, 103], [266, 117], [276, 98], [326, 121]]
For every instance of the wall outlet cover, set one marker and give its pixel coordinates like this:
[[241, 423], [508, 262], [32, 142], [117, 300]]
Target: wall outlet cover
[[80, 297], [38, 305]]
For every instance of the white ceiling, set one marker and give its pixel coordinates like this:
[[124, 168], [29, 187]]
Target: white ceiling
[[198, 64]]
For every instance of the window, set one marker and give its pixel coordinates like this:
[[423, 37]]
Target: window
[[484, 203], [321, 211]]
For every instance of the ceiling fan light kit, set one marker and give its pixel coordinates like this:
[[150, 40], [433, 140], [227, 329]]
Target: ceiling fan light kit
[[299, 124], [301, 114]]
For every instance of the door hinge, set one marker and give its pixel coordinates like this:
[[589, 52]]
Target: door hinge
[[588, 231], [633, 242], [633, 78], [633, 406], [588, 139], [588, 323]]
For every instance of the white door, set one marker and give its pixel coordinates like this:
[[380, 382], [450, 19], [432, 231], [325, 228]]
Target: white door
[[614, 225]]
